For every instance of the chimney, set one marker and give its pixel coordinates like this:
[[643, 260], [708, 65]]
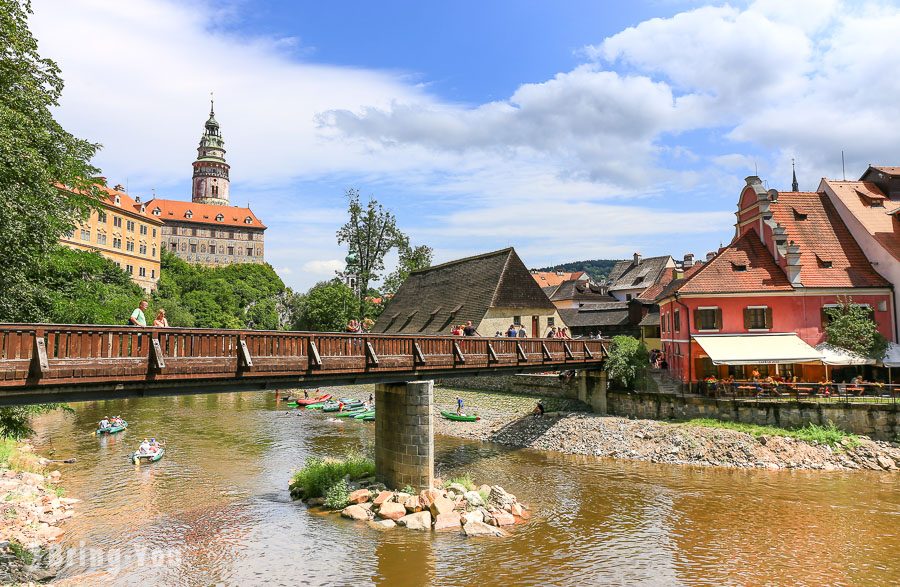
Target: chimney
[[710, 255], [793, 264], [137, 199], [119, 187], [637, 258], [688, 260]]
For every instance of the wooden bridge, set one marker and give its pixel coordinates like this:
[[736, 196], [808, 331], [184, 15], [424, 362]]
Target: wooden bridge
[[49, 362]]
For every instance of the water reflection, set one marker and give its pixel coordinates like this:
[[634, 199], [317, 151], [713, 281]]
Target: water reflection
[[219, 499]]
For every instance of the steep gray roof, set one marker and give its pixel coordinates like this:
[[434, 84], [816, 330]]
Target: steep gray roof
[[651, 319], [594, 317], [432, 299], [628, 275], [580, 290]]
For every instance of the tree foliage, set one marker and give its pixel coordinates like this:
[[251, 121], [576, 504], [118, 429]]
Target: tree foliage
[[15, 421], [597, 269], [327, 307], [370, 233], [851, 327], [36, 154], [411, 259], [247, 295], [627, 361]]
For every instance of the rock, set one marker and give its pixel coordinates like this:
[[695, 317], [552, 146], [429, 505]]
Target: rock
[[383, 524], [504, 519], [416, 521], [473, 498], [412, 504], [391, 511], [457, 488], [366, 506], [32, 479], [427, 496], [447, 521], [886, 462], [401, 497], [55, 476], [442, 505], [383, 497], [50, 533], [516, 509], [501, 498], [486, 489], [474, 516], [355, 512], [475, 528], [315, 501], [359, 496]]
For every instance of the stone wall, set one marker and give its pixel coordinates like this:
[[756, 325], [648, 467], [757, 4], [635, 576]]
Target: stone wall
[[533, 385], [878, 421], [404, 434]]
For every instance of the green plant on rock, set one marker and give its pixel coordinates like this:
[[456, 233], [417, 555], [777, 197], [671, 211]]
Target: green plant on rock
[[408, 489], [21, 553], [318, 475], [464, 480], [337, 496]]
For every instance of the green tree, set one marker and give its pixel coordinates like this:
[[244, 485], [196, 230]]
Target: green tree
[[627, 361], [371, 232], [36, 155], [15, 421], [411, 259], [852, 327], [327, 307]]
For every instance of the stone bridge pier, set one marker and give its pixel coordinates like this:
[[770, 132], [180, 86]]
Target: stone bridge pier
[[404, 434], [591, 386]]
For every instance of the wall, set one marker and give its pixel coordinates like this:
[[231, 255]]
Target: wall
[[879, 421], [499, 319], [179, 235], [533, 385]]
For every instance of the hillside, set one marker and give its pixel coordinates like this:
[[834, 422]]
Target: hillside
[[597, 269]]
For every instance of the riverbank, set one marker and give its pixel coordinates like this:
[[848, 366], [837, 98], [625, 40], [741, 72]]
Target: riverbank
[[31, 510], [568, 427]]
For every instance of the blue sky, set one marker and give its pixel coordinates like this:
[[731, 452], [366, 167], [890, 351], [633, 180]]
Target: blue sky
[[571, 130]]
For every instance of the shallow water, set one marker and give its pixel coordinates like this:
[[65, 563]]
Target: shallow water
[[216, 510]]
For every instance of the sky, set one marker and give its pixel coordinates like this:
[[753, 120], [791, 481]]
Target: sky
[[569, 130]]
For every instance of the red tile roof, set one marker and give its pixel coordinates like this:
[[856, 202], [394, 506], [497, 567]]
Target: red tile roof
[[743, 266], [858, 197], [548, 278], [823, 234], [890, 170], [653, 292], [125, 202], [204, 213]]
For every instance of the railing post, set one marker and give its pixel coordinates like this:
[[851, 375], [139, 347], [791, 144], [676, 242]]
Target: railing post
[[40, 364], [244, 359]]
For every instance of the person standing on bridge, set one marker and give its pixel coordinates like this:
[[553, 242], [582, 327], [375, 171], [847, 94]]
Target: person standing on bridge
[[522, 332], [469, 329], [161, 321], [137, 317]]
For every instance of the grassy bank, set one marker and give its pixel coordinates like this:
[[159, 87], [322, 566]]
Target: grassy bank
[[15, 457], [829, 435], [319, 475]]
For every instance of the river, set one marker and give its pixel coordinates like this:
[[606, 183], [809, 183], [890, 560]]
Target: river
[[216, 510]]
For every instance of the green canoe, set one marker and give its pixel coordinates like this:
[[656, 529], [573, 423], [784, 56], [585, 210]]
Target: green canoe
[[458, 418], [334, 408], [113, 429], [369, 418], [364, 414], [315, 406], [150, 458], [350, 413]]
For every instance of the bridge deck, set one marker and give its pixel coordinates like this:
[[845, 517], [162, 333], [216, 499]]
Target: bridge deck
[[44, 362]]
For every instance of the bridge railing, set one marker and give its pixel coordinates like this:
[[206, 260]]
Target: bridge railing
[[52, 354]]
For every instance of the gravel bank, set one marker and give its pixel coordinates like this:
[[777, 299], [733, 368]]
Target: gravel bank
[[568, 427]]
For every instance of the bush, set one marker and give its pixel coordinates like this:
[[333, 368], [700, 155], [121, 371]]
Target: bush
[[337, 496], [829, 435], [627, 361], [319, 475], [464, 480]]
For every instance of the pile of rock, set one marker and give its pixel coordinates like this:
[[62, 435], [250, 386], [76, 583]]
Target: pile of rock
[[481, 512], [30, 514]]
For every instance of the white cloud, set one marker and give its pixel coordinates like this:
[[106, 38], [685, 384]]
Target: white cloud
[[325, 268]]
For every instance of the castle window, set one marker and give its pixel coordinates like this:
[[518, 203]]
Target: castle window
[[157, 211], [117, 221], [129, 246], [101, 216], [101, 238], [129, 225], [85, 235], [188, 214], [143, 229], [117, 200], [248, 220], [129, 269], [219, 218], [215, 190], [142, 272]]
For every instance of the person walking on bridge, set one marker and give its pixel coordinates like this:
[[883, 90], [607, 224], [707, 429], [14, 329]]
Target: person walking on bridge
[[137, 317], [469, 329]]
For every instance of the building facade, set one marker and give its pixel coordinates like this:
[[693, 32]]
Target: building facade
[[123, 231], [767, 293], [208, 230]]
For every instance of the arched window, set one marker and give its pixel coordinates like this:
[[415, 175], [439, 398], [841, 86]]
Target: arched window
[[248, 220], [188, 214]]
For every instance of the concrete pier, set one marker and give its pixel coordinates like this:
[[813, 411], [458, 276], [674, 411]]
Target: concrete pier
[[592, 389], [404, 434]]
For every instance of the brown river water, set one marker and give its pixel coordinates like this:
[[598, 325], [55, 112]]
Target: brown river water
[[216, 510]]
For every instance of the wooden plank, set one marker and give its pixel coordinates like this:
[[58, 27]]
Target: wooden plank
[[157, 359], [244, 358], [457, 352], [546, 352], [370, 354], [520, 352], [587, 351], [314, 357], [568, 351], [40, 365], [418, 356], [492, 355]]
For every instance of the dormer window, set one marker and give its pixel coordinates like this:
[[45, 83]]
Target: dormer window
[[118, 200], [248, 220], [220, 217], [799, 214], [188, 214], [739, 267], [823, 263], [157, 211]]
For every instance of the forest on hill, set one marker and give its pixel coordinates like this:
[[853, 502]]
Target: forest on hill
[[597, 269]]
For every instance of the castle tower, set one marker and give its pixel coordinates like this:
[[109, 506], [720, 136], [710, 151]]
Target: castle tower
[[210, 183]]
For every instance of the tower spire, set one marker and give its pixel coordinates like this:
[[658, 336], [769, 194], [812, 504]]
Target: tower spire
[[211, 177], [794, 185], [212, 110]]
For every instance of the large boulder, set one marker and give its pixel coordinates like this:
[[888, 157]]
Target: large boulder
[[500, 498], [383, 524], [475, 528], [416, 521], [456, 488], [504, 519], [447, 521], [473, 498], [391, 511], [473, 516], [412, 504], [355, 512], [442, 505], [383, 497], [359, 496]]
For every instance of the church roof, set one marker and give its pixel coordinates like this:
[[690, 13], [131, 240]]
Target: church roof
[[432, 299], [172, 210]]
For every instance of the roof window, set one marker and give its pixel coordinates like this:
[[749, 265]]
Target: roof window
[[823, 263], [739, 267], [188, 214], [220, 217], [799, 214], [157, 211], [248, 220]]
